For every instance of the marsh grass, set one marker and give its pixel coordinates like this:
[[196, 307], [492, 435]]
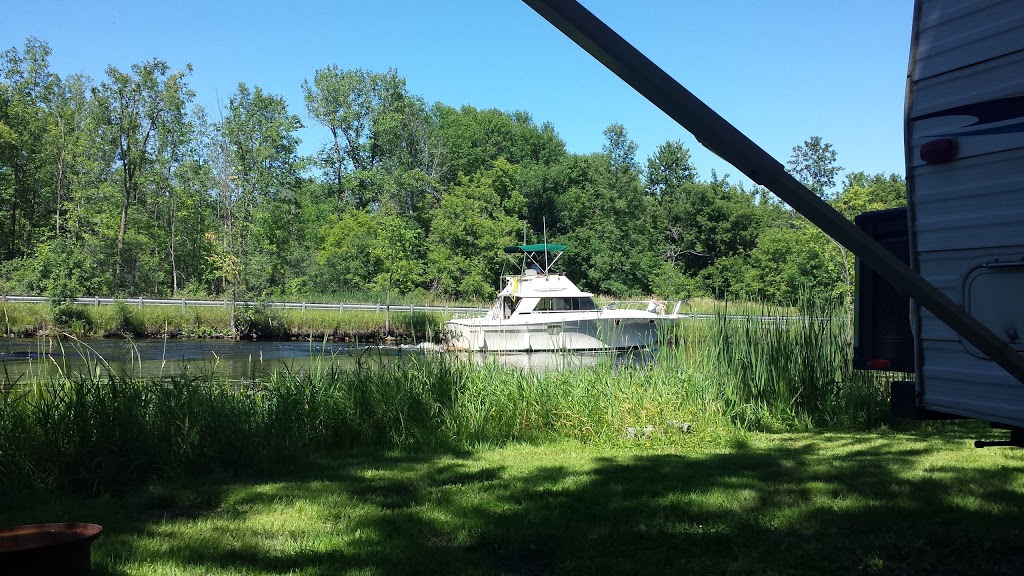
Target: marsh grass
[[777, 372], [96, 429], [125, 318]]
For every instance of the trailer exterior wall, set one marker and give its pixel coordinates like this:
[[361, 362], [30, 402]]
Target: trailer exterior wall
[[967, 215]]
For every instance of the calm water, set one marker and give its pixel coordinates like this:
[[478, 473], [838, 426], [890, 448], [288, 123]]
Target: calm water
[[22, 360], [29, 359]]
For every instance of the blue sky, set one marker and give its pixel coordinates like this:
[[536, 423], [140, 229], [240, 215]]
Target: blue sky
[[781, 71]]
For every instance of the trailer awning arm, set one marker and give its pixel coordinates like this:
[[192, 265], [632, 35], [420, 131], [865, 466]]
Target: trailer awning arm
[[734, 147]]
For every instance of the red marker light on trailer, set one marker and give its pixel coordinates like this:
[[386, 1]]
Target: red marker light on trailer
[[879, 364]]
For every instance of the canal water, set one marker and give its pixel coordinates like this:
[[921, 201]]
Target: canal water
[[23, 360]]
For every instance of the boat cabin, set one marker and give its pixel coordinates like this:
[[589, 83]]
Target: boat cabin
[[536, 290]]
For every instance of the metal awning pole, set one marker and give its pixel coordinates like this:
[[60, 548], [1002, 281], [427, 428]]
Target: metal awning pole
[[731, 145]]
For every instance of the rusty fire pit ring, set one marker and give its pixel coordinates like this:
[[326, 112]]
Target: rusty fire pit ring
[[62, 548]]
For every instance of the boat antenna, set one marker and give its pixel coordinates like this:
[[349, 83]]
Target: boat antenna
[[522, 268], [545, 221]]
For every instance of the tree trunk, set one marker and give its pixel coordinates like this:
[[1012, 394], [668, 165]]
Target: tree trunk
[[387, 309]]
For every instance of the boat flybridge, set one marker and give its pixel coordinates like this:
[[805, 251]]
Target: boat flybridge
[[543, 310]]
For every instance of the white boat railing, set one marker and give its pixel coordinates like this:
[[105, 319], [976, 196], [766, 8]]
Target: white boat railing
[[662, 307]]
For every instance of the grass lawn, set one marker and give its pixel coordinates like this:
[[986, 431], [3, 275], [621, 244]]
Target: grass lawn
[[916, 501]]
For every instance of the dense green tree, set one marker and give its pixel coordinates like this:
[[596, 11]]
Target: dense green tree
[[606, 219], [707, 222], [814, 164], [794, 262], [372, 119], [468, 232], [344, 261], [865, 193], [669, 169]]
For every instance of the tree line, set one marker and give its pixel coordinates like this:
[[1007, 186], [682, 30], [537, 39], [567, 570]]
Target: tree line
[[123, 185]]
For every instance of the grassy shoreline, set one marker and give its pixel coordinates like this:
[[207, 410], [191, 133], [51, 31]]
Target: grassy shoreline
[[27, 320]]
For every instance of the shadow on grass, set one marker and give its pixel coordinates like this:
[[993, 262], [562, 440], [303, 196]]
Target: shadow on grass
[[848, 504]]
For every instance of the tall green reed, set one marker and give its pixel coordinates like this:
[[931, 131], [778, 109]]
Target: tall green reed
[[783, 372], [98, 430]]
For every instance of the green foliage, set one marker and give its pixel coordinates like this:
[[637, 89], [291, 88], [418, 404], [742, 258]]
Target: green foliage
[[791, 261], [70, 318], [257, 322], [261, 322], [121, 186], [867, 193], [63, 272], [469, 230], [127, 320]]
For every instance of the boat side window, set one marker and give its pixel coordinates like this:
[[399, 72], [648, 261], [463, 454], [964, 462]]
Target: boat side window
[[564, 304], [583, 304]]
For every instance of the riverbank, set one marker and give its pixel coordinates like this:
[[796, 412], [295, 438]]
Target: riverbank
[[30, 320]]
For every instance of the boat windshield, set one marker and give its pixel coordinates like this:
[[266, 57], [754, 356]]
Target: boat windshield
[[565, 304], [509, 305]]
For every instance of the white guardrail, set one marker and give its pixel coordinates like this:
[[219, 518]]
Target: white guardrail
[[184, 303]]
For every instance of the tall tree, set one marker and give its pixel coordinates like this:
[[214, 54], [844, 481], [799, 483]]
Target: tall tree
[[257, 175], [669, 169], [476, 219], [69, 108], [25, 160], [814, 164], [610, 252], [864, 193], [367, 114], [136, 108]]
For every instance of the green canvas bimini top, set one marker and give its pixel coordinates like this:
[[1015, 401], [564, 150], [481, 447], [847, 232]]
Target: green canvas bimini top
[[534, 248]]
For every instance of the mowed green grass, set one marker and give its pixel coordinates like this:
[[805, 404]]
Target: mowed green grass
[[915, 501]]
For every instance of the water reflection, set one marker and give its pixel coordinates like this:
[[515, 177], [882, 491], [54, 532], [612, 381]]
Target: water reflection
[[40, 359], [26, 360]]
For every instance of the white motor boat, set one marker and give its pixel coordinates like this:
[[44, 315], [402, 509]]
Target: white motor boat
[[538, 310]]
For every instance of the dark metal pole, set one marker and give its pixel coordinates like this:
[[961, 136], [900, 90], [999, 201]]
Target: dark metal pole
[[731, 145]]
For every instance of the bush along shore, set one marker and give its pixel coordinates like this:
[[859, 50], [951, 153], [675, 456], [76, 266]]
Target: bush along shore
[[250, 322]]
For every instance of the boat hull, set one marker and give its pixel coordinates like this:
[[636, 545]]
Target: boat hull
[[584, 334]]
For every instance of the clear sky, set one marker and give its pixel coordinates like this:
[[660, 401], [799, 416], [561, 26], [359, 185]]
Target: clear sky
[[781, 70]]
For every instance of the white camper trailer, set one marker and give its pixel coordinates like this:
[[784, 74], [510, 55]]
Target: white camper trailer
[[965, 211]]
